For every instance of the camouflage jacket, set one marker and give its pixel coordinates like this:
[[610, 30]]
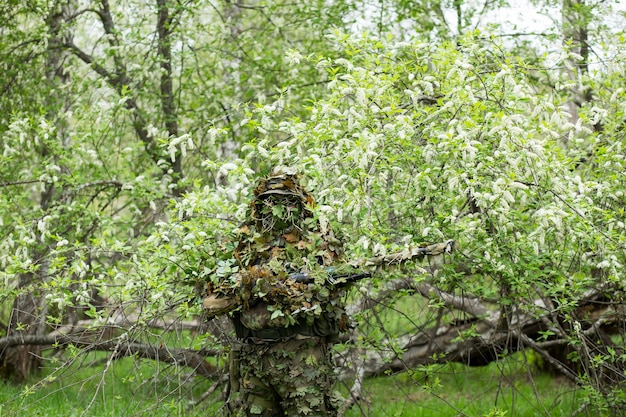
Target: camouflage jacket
[[281, 237]]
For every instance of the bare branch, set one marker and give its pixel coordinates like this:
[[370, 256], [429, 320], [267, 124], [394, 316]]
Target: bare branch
[[220, 382], [25, 182], [106, 183], [126, 322], [79, 13], [357, 386], [545, 355], [88, 59], [194, 359], [471, 306]]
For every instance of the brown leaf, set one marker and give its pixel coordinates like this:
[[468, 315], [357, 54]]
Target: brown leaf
[[292, 236]]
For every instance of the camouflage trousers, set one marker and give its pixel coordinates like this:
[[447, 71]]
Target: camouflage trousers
[[287, 378]]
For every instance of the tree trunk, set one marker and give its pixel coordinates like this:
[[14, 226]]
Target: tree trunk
[[19, 362], [165, 26], [575, 21], [29, 309]]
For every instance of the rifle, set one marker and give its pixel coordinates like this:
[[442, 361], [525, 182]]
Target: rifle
[[419, 253], [339, 280], [215, 304]]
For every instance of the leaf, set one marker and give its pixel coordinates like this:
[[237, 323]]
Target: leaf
[[278, 211], [302, 245], [276, 313], [292, 236]]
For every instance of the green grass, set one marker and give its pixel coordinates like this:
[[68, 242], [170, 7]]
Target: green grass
[[138, 388], [125, 388], [457, 390]]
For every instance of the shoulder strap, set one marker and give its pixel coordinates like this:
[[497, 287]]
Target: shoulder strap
[[240, 330]]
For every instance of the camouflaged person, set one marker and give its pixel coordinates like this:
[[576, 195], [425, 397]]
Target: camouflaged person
[[280, 363]]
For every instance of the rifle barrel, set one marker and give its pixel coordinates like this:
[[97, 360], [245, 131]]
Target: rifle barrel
[[333, 279]]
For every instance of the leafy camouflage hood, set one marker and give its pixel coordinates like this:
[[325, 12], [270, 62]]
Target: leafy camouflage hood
[[280, 203], [281, 216]]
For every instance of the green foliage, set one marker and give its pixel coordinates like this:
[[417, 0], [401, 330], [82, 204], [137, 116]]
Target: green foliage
[[417, 141], [110, 210]]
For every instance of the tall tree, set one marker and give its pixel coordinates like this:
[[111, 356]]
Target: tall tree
[[30, 309]]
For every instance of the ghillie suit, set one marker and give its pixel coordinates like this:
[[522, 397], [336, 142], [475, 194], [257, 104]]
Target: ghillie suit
[[281, 364]]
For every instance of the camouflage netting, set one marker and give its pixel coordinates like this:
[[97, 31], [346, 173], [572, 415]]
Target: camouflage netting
[[282, 236]]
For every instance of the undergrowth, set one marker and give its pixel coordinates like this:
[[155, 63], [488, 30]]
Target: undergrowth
[[509, 387]]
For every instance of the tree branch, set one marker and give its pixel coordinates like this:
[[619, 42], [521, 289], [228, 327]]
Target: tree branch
[[120, 82], [546, 356], [468, 305], [194, 359]]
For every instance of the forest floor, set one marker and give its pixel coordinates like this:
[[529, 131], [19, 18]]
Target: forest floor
[[509, 387]]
